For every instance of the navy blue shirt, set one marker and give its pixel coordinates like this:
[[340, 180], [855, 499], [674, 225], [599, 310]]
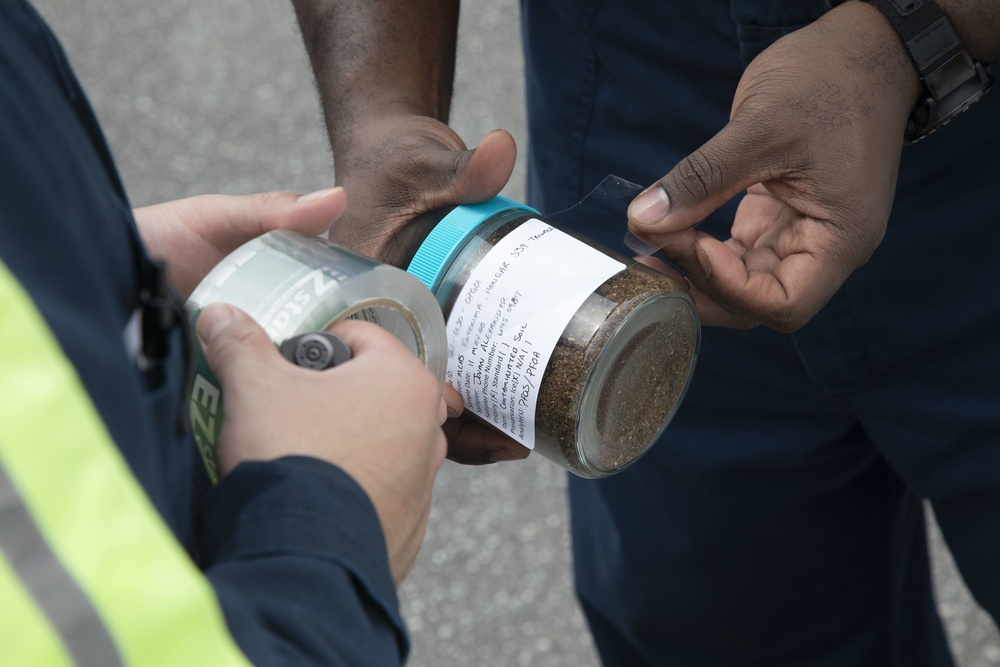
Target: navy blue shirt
[[779, 518], [293, 548]]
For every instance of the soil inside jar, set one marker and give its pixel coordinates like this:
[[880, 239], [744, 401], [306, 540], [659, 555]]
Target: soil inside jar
[[644, 386]]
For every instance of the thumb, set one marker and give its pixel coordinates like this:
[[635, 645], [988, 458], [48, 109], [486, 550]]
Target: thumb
[[700, 183], [482, 172], [229, 337]]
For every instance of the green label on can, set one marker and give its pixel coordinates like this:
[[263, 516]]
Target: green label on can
[[205, 408]]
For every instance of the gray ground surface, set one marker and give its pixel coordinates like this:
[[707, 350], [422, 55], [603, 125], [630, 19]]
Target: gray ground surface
[[205, 96]]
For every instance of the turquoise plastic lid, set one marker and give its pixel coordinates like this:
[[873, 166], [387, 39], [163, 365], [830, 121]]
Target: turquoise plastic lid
[[440, 246]]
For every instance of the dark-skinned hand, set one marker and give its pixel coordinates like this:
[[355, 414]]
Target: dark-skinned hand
[[814, 139]]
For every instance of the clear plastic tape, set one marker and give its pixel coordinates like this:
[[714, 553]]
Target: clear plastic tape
[[606, 208], [292, 284], [602, 217]]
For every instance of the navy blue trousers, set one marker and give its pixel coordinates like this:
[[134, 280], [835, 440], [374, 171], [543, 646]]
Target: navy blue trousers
[[779, 521]]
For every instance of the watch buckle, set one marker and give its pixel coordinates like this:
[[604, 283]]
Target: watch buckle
[[956, 89]]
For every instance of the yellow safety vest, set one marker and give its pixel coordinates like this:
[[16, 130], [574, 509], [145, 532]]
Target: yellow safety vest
[[89, 572]]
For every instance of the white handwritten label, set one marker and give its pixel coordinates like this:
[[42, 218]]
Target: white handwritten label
[[509, 316]]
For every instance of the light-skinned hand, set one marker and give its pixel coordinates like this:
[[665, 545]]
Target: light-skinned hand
[[194, 234], [377, 416]]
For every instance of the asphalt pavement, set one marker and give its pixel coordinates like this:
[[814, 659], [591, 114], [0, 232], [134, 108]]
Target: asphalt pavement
[[200, 96]]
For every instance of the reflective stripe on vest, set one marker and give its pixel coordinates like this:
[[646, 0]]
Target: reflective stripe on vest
[[89, 573]]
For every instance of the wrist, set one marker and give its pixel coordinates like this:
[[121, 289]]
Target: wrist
[[871, 46], [387, 130], [354, 123], [949, 79], [878, 40]]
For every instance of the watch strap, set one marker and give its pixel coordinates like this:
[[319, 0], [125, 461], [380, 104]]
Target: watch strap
[[932, 43], [953, 81]]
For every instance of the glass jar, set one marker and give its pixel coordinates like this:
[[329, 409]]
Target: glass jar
[[572, 349]]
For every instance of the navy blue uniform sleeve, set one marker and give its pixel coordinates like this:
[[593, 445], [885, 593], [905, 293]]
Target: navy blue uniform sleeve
[[295, 552]]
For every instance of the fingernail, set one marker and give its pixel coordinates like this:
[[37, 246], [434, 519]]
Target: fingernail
[[319, 194], [452, 412], [214, 317], [650, 207], [505, 454]]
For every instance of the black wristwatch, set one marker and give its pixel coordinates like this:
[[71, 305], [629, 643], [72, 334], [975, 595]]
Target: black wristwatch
[[952, 80]]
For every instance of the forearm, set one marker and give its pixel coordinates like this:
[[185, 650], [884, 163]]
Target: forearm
[[295, 552], [977, 22], [373, 56]]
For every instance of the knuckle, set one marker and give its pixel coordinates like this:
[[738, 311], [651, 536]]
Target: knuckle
[[457, 163], [698, 175], [691, 173], [268, 200], [236, 337]]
